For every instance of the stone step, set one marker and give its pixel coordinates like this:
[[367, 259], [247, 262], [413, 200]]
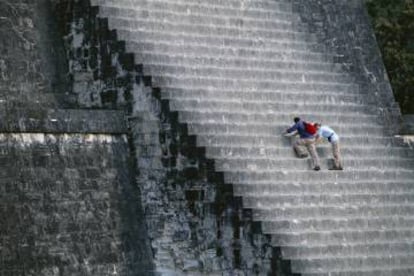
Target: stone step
[[230, 51], [206, 105], [345, 223], [183, 17], [356, 250], [320, 200], [265, 5], [250, 85], [244, 74], [224, 140], [334, 119], [282, 163], [329, 265], [275, 50], [276, 177], [200, 101], [234, 59], [322, 149], [267, 212], [342, 237], [252, 62], [385, 271], [162, 25], [272, 130], [322, 186], [204, 8], [266, 97]]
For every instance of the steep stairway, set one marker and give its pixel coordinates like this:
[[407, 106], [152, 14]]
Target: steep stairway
[[237, 72]]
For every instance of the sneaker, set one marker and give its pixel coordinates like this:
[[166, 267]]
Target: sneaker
[[336, 168], [303, 156], [317, 168]]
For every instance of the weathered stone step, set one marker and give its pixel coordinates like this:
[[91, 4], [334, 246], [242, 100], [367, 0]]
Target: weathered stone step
[[272, 130], [35, 119], [200, 18], [334, 119], [156, 25], [348, 200], [201, 101], [339, 237], [267, 97], [327, 224], [197, 50], [268, 212], [249, 85], [386, 271], [312, 176], [323, 149], [238, 106], [228, 58], [220, 44], [348, 262], [356, 250], [246, 117], [205, 8], [283, 163], [265, 5], [322, 186], [224, 140], [245, 74], [252, 62]]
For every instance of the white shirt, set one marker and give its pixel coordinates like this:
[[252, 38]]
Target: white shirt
[[326, 132]]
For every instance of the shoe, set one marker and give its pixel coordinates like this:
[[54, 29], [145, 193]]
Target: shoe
[[336, 168], [317, 168], [303, 156]]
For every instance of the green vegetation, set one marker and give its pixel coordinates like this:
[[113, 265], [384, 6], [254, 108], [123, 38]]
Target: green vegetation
[[393, 21]]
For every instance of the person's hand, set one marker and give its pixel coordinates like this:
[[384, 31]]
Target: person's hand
[[289, 134]]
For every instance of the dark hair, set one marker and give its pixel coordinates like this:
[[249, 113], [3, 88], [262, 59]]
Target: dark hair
[[296, 119], [318, 124]]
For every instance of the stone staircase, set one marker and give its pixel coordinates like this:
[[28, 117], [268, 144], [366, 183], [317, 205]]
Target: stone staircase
[[237, 72]]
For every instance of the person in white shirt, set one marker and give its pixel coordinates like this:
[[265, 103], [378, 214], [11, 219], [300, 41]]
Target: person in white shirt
[[333, 138]]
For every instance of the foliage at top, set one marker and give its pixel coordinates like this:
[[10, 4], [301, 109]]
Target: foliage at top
[[393, 22]]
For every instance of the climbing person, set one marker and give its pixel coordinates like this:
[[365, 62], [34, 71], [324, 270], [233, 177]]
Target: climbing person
[[333, 138], [307, 138]]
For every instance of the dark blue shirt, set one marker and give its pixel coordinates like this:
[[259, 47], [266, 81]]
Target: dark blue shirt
[[300, 127]]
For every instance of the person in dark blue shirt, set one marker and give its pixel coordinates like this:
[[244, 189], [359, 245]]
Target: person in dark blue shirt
[[307, 140]]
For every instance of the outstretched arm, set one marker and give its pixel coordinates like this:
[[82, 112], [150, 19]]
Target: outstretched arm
[[292, 128]]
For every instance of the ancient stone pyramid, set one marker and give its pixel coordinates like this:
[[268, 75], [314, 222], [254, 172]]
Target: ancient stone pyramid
[[237, 72]]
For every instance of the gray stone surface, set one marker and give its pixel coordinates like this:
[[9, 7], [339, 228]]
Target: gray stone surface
[[31, 51], [69, 204], [235, 88], [169, 160], [192, 228]]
